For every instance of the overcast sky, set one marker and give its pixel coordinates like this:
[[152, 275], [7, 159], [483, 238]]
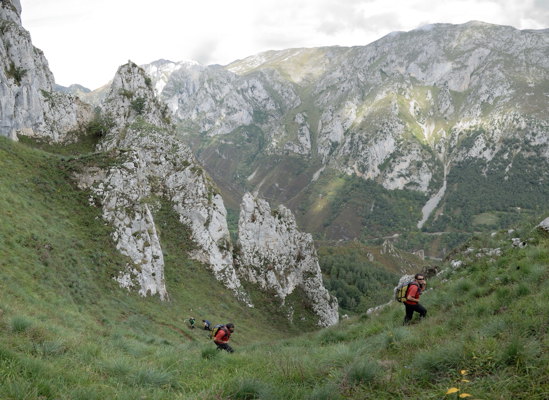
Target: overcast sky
[[86, 41]]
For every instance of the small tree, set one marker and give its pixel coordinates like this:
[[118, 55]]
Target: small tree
[[99, 125], [138, 105]]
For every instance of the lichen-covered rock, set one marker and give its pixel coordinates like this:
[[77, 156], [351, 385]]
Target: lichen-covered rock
[[275, 255], [28, 104]]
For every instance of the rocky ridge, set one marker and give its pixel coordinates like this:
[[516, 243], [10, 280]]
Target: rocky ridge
[[404, 111], [149, 165], [154, 163]]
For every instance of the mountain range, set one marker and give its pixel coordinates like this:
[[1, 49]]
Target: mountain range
[[287, 193], [416, 140], [440, 129]]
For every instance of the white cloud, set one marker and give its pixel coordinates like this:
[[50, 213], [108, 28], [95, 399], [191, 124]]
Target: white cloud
[[86, 41]]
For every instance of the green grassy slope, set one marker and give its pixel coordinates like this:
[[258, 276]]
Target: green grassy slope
[[68, 332], [64, 320]]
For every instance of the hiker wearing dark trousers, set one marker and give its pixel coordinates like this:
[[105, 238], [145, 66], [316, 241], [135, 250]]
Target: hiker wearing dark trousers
[[412, 299], [207, 324], [222, 336]]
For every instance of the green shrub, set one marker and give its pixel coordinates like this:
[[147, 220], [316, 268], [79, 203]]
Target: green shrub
[[138, 105], [99, 125], [128, 94], [16, 73]]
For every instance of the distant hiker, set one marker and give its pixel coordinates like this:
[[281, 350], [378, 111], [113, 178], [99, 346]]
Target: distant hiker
[[221, 338], [191, 322], [206, 324], [412, 298]]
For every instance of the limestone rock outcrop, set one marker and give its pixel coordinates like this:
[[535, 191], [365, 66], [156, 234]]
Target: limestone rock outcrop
[[28, 103], [544, 225], [275, 255], [153, 163]]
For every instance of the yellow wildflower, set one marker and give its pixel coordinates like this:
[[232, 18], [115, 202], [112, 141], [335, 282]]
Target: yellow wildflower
[[463, 372], [452, 390], [464, 395], [466, 380]]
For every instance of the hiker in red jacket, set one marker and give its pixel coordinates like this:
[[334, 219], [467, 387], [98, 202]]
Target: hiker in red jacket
[[221, 338], [412, 299]]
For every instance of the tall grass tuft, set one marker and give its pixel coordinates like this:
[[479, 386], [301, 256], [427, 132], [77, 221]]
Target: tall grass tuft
[[330, 336], [364, 371], [520, 354], [153, 377], [86, 393], [117, 368], [441, 361], [494, 326], [18, 389], [209, 353], [325, 391], [394, 339], [50, 348], [249, 389], [20, 324]]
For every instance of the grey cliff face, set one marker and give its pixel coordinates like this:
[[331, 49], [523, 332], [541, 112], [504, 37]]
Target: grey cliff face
[[28, 104], [276, 256], [153, 163]]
